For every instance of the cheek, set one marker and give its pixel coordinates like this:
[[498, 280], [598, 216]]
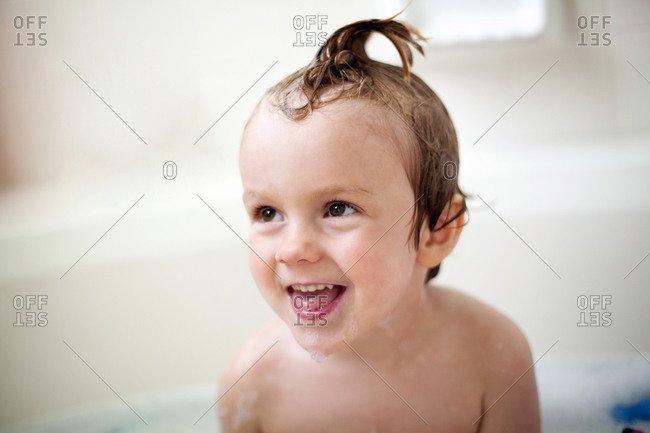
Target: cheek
[[259, 255], [382, 269], [378, 252]]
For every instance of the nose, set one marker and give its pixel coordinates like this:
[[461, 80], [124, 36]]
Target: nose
[[299, 245]]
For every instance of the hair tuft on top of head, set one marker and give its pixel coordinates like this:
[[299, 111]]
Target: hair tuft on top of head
[[342, 67], [345, 49]]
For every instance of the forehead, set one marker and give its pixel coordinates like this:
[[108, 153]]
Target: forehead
[[341, 144], [354, 122]]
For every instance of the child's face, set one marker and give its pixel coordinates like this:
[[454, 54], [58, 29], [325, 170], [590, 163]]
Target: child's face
[[330, 204]]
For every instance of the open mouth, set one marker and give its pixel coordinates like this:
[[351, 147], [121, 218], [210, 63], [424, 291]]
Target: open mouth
[[310, 299]]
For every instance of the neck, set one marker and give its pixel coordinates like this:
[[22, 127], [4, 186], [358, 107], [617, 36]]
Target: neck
[[394, 336]]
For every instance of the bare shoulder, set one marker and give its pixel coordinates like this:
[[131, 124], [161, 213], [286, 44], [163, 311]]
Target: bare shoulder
[[490, 330], [240, 393], [505, 362]]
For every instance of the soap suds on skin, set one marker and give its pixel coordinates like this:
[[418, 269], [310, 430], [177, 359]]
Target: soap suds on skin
[[277, 379], [244, 409], [318, 357], [311, 339]]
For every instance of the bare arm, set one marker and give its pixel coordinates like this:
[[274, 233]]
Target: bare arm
[[510, 403], [237, 404]]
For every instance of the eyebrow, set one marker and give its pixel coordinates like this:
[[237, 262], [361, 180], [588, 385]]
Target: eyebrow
[[328, 191]]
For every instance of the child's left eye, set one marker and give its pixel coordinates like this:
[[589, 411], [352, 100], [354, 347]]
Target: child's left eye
[[338, 209]]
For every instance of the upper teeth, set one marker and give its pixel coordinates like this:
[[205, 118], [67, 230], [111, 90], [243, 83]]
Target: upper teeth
[[311, 287]]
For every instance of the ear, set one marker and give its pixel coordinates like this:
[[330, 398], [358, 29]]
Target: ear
[[438, 243]]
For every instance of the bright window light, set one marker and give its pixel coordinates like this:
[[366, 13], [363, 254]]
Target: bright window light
[[446, 22]]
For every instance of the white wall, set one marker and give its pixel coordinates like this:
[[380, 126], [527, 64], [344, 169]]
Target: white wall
[[165, 296]]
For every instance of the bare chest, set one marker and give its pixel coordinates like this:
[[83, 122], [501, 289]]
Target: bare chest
[[369, 399]]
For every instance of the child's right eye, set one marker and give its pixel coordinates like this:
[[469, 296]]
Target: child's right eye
[[268, 214]]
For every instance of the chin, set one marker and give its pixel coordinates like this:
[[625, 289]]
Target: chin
[[319, 341]]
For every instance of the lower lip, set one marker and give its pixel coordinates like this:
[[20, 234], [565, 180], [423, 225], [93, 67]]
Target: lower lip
[[321, 313]]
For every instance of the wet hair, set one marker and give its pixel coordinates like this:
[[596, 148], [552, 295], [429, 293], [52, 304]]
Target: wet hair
[[342, 70]]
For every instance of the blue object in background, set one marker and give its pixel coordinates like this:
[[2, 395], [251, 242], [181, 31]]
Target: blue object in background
[[636, 412]]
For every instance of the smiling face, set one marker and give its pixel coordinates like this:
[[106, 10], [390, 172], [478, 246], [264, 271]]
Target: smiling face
[[330, 206]]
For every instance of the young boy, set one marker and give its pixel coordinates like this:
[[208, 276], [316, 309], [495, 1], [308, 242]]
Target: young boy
[[345, 166]]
